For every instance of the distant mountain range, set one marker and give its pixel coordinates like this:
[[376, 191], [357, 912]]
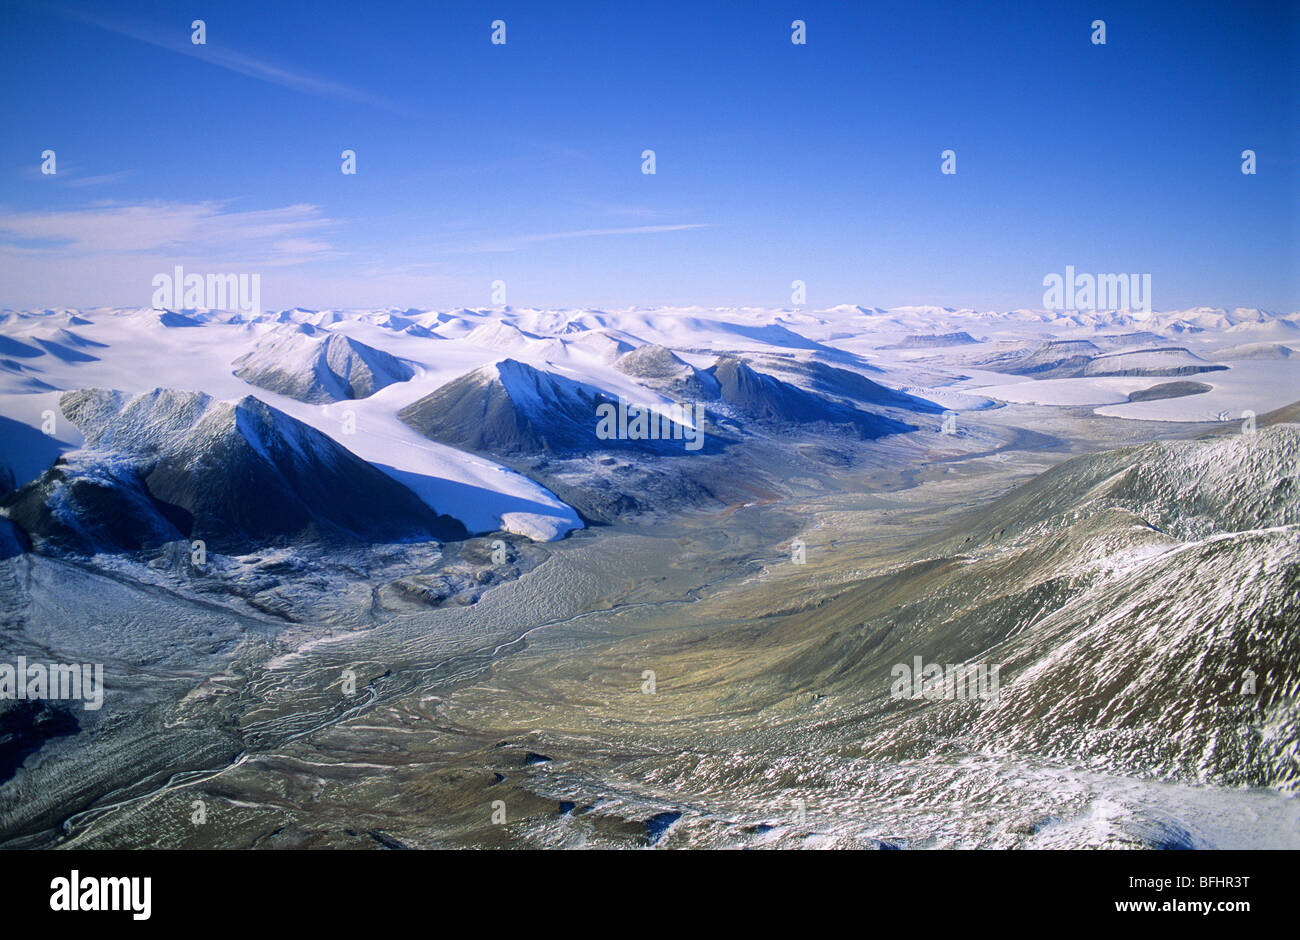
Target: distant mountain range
[[447, 403], [510, 408]]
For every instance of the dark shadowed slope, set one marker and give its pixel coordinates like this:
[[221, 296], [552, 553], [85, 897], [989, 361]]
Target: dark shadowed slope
[[167, 464], [511, 409], [754, 396]]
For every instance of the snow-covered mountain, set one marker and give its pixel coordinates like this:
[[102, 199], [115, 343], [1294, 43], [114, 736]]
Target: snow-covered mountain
[[659, 368], [509, 408], [1168, 360], [753, 396], [933, 340], [167, 465], [361, 516], [1256, 351], [350, 374], [313, 365], [1080, 357]]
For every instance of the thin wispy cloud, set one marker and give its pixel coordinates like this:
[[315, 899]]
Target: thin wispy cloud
[[514, 243], [70, 175], [630, 211], [103, 179], [108, 252], [226, 58], [203, 228]]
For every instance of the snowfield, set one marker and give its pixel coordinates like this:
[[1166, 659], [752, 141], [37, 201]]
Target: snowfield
[[348, 373]]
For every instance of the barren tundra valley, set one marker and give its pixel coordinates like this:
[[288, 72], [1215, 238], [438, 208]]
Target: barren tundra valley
[[383, 578]]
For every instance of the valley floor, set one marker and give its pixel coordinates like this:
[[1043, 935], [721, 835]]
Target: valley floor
[[641, 685]]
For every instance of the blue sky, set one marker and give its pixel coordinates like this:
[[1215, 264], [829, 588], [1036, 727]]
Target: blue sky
[[775, 162]]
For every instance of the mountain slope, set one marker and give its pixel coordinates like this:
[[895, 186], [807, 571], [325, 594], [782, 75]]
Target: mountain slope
[[510, 408], [933, 340], [1165, 360], [660, 368], [1074, 358], [836, 382], [314, 365], [166, 465], [1053, 359], [507, 408], [1129, 598], [754, 396]]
